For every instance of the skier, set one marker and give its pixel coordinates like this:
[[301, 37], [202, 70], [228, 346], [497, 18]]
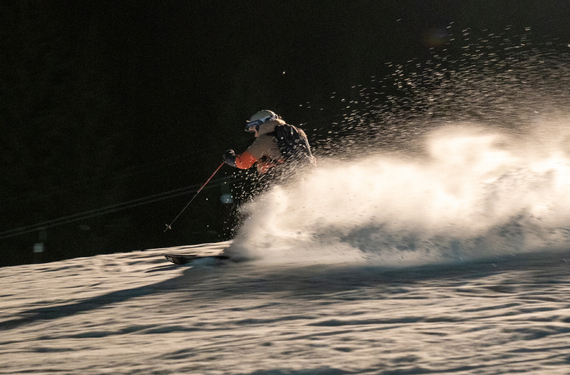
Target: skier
[[278, 146]]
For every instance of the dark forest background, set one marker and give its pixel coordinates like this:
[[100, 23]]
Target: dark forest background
[[113, 113]]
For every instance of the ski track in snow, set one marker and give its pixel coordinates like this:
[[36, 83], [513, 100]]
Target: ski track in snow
[[135, 313]]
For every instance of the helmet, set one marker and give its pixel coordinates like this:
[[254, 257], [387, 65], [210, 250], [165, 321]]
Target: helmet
[[259, 118]]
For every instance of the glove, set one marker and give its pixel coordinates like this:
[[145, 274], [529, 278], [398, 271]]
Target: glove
[[230, 157]]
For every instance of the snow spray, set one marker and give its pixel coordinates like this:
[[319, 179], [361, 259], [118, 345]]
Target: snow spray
[[479, 167]]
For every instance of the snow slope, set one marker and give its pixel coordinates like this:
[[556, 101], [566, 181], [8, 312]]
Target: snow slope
[[136, 313]]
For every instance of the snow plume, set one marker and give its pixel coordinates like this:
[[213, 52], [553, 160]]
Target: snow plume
[[475, 163], [473, 194]]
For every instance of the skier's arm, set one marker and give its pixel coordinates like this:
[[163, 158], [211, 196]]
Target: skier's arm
[[243, 161]]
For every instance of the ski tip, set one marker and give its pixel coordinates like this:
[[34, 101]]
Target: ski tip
[[176, 259]]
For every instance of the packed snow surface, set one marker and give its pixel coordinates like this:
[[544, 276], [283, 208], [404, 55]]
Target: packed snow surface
[[138, 314]]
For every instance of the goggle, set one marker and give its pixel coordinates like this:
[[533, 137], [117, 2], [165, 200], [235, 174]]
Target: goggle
[[254, 125]]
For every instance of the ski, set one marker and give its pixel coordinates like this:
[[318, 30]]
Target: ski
[[189, 258]]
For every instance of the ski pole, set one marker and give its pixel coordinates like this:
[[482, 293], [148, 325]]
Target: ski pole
[[169, 226]]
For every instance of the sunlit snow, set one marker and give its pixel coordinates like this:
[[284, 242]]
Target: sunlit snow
[[136, 313]]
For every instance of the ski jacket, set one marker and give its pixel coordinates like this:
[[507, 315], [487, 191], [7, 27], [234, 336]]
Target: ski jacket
[[265, 151]]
